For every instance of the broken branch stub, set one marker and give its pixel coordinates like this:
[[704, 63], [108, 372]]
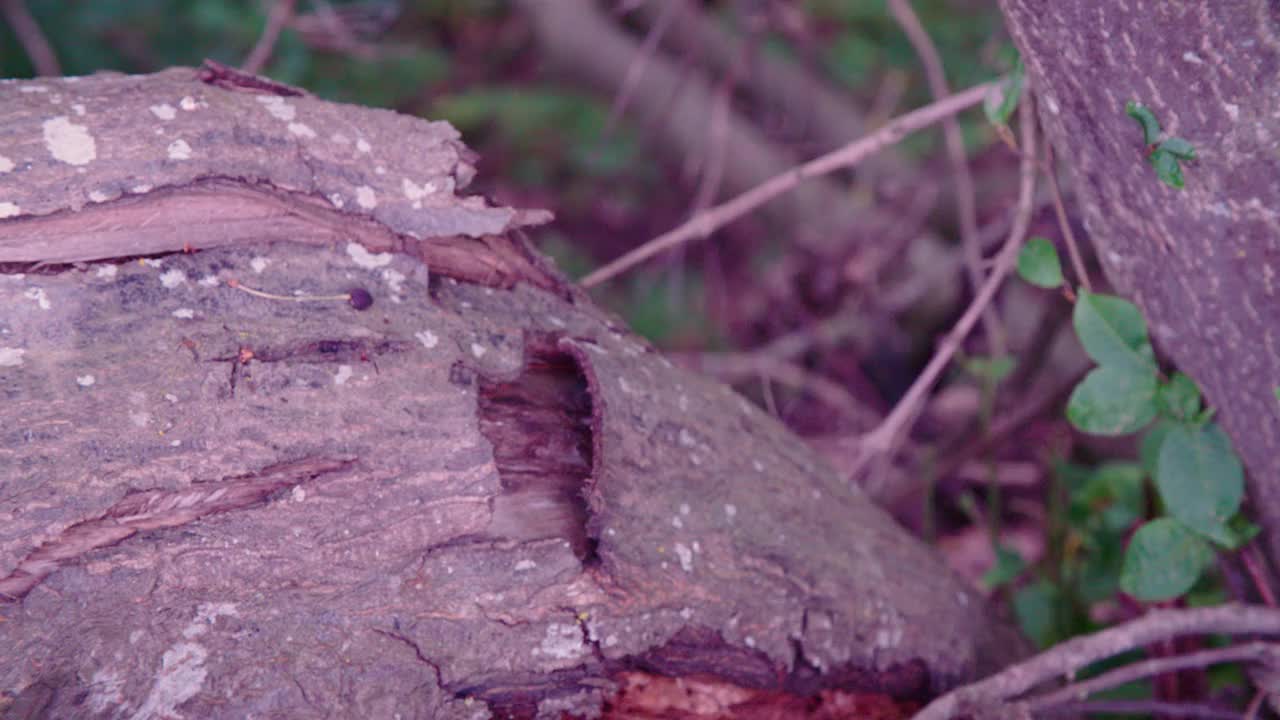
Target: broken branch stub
[[473, 492]]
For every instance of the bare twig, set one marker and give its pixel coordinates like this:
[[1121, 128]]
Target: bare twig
[[25, 27], [966, 208], [1077, 653], [1068, 236], [1247, 652], [668, 13], [736, 366], [848, 156], [277, 18], [1147, 708], [1253, 564], [882, 441]]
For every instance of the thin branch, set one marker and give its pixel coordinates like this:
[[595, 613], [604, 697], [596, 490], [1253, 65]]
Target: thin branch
[[25, 27], [736, 366], [1148, 708], [1253, 564], [277, 18], [966, 205], [882, 441], [637, 67], [1248, 652], [1073, 248], [705, 223], [1076, 654]]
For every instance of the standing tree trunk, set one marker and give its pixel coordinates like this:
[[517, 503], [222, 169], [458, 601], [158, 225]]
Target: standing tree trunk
[[1203, 263], [363, 454]]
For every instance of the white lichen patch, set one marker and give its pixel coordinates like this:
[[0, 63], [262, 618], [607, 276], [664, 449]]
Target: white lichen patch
[[363, 146], [11, 357], [1233, 111], [624, 386], [5, 164], [366, 259], [366, 197], [414, 191], [525, 565], [184, 313], [181, 676], [278, 108], [427, 338], [98, 196], [139, 418], [78, 109], [140, 189], [561, 641], [676, 522], [164, 111], [394, 280], [8, 209], [686, 556], [685, 509], [68, 142], [478, 350], [686, 438], [179, 150], [105, 691], [257, 264], [173, 278], [336, 200], [33, 89], [189, 103], [343, 375], [730, 510], [40, 297], [107, 272], [298, 494], [301, 130], [209, 281], [85, 380]]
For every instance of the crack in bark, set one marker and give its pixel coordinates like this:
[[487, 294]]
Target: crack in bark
[[157, 509]]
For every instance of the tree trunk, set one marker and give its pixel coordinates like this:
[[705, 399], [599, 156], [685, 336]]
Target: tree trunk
[[1203, 263], [374, 489]]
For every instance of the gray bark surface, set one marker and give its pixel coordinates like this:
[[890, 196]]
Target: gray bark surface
[[478, 495], [1203, 263]]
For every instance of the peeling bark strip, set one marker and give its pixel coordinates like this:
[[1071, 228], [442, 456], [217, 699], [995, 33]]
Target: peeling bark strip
[[160, 509], [119, 166], [540, 503]]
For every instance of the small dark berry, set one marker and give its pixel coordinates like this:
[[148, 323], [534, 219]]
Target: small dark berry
[[359, 298]]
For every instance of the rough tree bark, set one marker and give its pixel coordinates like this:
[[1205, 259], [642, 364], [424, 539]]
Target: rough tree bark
[[1203, 263], [476, 495]]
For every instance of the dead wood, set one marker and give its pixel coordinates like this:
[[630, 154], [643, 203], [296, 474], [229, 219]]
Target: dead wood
[[476, 495]]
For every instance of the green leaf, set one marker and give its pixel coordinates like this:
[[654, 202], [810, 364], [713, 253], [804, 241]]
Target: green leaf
[[1180, 398], [1038, 263], [1163, 560], [1113, 400], [1179, 148], [1036, 607], [1114, 495], [1145, 118], [1149, 451], [1241, 531], [991, 369], [1003, 98], [1200, 479], [1112, 331], [1167, 168], [1008, 566]]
